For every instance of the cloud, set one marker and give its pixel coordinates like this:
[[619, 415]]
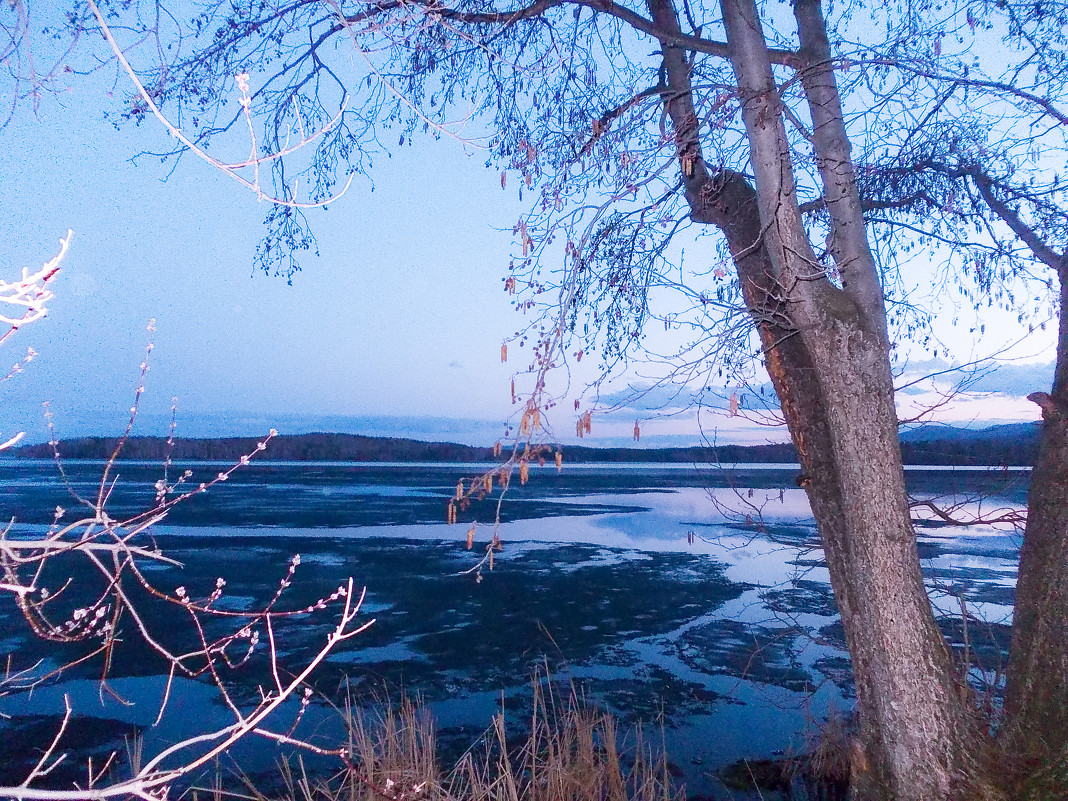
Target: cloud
[[1016, 379], [967, 408], [667, 415], [637, 397], [250, 424], [1012, 378], [673, 415], [969, 397], [639, 400]]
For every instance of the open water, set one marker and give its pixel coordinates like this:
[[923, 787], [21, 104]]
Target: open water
[[691, 599]]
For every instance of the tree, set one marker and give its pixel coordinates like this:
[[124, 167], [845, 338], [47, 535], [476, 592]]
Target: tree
[[971, 167], [745, 121]]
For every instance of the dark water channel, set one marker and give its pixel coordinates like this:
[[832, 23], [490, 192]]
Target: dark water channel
[[691, 600]]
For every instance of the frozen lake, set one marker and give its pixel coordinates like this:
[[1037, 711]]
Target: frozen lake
[[690, 598]]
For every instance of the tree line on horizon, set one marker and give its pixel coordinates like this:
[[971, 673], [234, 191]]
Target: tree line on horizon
[[1010, 446]]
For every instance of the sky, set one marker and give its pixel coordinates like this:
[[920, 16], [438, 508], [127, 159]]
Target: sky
[[394, 329]]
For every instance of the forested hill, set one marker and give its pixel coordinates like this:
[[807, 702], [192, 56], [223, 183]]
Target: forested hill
[[1015, 444]]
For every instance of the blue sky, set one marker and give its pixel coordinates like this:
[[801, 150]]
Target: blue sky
[[395, 329], [403, 313]]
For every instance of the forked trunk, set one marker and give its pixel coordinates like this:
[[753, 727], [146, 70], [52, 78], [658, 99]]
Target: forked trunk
[[826, 351], [919, 735]]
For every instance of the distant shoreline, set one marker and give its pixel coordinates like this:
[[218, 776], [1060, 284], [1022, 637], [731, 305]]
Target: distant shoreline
[[1009, 446]]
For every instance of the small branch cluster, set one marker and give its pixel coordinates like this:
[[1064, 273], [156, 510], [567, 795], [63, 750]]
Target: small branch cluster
[[478, 489], [23, 301], [107, 602], [84, 582], [106, 599], [30, 293]]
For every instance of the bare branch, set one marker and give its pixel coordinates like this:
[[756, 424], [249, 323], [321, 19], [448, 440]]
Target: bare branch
[[231, 169]]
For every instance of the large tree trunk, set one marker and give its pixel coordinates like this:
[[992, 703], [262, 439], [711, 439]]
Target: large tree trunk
[[827, 355], [1034, 735], [919, 735]]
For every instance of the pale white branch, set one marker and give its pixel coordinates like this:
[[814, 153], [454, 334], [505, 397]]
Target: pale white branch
[[231, 169]]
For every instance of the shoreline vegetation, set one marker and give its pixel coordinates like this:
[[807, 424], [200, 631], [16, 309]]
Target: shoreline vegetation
[[1012, 445], [571, 751]]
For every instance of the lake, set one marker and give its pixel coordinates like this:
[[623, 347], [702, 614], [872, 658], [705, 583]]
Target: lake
[[691, 599]]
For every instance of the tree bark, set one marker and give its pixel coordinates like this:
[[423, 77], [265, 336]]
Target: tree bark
[[919, 736], [826, 352], [1034, 734]]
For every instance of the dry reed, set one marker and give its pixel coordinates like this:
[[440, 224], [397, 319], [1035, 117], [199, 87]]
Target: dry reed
[[572, 752]]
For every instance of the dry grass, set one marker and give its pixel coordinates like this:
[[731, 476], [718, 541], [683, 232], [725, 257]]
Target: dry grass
[[572, 752], [393, 753], [831, 753], [824, 772]]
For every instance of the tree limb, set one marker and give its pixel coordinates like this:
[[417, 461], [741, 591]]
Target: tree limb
[[667, 37]]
